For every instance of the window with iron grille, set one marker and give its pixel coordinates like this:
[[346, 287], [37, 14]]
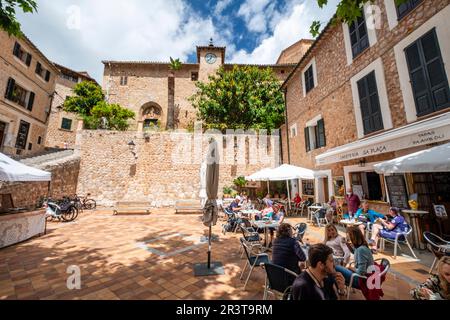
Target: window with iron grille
[[66, 124], [22, 135], [123, 80], [428, 76], [359, 38], [405, 8]]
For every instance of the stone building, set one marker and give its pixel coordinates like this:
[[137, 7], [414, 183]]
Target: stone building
[[158, 95], [27, 82], [62, 126], [369, 92]]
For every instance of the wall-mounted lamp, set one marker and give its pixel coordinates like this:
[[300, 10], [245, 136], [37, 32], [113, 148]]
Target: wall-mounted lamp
[[362, 162], [132, 147]]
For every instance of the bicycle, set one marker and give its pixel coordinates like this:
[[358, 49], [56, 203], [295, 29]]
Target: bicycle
[[64, 210], [84, 203]]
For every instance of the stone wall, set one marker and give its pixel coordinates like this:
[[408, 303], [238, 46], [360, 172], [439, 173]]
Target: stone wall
[[164, 167], [64, 183]]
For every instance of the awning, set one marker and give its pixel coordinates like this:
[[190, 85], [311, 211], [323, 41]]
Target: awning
[[14, 171], [436, 159], [433, 130], [283, 173], [262, 175]]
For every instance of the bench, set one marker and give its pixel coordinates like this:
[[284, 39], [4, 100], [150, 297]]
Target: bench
[[132, 207], [188, 206]]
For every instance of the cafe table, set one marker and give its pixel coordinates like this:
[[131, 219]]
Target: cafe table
[[414, 217], [250, 213], [350, 223], [265, 224]]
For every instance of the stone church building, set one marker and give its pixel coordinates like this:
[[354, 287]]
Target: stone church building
[[151, 88]]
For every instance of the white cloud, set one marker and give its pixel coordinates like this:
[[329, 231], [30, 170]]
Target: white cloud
[[288, 27], [117, 30], [221, 6], [256, 14]]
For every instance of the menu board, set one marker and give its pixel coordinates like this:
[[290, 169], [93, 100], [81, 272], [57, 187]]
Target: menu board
[[398, 195]]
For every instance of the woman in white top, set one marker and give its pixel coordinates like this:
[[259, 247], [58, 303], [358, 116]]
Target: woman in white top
[[333, 240]]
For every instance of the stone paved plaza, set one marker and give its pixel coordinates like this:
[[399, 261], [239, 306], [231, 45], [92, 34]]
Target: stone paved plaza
[[147, 257]]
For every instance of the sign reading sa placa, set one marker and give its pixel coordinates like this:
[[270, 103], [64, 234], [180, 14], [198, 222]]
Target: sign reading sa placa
[[414, 140]]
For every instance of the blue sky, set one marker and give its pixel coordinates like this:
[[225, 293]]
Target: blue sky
[[81, 33]]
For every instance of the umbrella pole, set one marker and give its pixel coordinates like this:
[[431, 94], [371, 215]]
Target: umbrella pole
[[289, 194], [209, 247]]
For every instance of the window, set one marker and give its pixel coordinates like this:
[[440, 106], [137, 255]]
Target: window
[[124, 81], [370, 104], [315, 136], [359, 38], [405, 8], [30, 146], [21, 54], [22, 135], [309, 79], [69, 77], [294, 132], [66, 124], [427, 74], [43, 73], [194, 76], [39, 140], [19, 95]]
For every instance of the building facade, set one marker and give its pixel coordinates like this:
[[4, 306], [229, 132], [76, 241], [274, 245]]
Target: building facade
[[27, 81], [158, 95], [62, 126], [370, 92]]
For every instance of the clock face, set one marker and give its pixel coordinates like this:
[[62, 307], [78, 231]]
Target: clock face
[[211, 58]]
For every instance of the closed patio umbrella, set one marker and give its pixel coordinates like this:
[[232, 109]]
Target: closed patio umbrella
[[210, 211]]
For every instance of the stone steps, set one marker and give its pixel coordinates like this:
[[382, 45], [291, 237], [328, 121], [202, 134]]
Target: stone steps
[[42, 159]]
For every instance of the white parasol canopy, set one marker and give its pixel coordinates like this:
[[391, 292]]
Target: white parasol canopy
[[288, 172], [436, 159], [262, 175], [14, 171]]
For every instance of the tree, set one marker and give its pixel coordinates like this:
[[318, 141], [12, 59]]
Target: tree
[[347, 11], [87, 96], [8, 21], [89, 102], [175, 65], [243, 98]]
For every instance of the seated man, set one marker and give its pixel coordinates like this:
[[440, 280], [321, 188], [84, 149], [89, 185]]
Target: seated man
[[235, 205], [388, 229], [366, 215], [320, 281]]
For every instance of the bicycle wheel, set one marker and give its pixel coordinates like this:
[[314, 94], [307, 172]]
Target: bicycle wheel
[[70, 214], [90, 204]]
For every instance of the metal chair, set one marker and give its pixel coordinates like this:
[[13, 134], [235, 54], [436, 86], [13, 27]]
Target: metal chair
[[384, 262], [249, 236], [401, 237], [278, 280], [321, 221], [300, 230], [253, 260], [439, 247]]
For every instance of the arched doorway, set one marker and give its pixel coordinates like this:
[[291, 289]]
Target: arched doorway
[[151, 115]]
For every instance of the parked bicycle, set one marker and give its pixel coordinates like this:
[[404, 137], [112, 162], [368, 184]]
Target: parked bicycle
[[64, 210], [84, 203]]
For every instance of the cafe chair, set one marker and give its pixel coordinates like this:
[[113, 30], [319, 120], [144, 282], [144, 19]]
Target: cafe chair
[[384, 262], [249, 236], [438, 246], [300, 230], [278, 280], [400, 238], [253, 260]]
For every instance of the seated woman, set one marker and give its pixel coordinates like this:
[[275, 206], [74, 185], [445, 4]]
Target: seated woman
[[297, 200], [366, 215], [388, 229], [438, 286], [341, 252], [286, 251], [332, 206], [277, 216], [363, 257]]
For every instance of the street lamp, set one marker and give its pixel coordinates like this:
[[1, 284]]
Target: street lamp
[[132, 147]]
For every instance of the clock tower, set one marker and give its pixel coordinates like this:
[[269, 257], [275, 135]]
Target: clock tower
[[210, 58]]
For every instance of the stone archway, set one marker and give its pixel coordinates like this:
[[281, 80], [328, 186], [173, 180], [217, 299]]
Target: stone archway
[[151, 115]]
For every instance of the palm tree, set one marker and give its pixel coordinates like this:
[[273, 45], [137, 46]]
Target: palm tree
[[175, 65]]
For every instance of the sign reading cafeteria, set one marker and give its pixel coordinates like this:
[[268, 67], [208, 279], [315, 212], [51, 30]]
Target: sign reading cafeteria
[[435, 135]]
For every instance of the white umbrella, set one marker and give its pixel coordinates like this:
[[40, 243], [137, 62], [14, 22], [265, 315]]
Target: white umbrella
[[288, 172], [436, 159], [14, 171]]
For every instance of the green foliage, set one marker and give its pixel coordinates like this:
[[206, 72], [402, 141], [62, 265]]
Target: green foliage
[[240, 182], [89, 102], [8, 21], [175, 64], [243, 98], [87, 96], [227, 190], [347, 11]]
